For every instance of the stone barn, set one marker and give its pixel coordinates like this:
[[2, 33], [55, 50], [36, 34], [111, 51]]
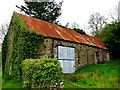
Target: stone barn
[[73, 50]]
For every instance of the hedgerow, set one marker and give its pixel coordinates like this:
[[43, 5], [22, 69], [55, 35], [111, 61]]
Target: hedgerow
[[42, 73]]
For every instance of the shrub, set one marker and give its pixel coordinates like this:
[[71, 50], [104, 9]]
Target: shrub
[[42, 73]]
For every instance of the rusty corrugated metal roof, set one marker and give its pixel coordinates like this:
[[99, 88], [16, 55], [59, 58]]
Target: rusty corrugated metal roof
[[55, 31]]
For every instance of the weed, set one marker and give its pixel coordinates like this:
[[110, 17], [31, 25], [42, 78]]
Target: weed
[[72, 77], [96, 76]]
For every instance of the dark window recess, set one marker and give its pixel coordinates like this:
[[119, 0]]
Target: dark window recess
[[97, 57], [97, 54]]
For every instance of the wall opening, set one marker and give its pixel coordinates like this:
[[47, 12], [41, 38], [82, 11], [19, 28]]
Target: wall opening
[[66, 57], [97, 57], [108, 57]]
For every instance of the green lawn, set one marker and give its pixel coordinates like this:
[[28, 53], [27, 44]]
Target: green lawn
[[0, 60], [0, 80], [8, 82], [91, 76], [96, 76]]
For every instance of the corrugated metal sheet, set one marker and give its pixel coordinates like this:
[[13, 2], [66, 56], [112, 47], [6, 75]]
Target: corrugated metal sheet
[[52, 30]]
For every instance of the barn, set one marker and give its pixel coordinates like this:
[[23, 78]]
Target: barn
[[72, 49]]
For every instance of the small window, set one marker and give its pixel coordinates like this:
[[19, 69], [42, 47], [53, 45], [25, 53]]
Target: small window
[[97, 58], [97, 54]]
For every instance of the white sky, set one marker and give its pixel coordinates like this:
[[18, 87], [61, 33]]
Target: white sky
[[72, 10]]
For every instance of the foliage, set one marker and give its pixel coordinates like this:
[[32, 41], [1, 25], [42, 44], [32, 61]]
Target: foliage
[[5, 49], [47, 11], [0, 60], [111, 36], [72, 77], [97, 76], [25, 44], [96, 23], [42, 73], [74, 26], [75, 78], [79, 31]]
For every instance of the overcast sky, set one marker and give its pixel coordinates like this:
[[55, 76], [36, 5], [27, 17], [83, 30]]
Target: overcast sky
[[72, 10]]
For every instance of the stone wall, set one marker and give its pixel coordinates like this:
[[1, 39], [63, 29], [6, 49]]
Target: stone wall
[[84, 54]]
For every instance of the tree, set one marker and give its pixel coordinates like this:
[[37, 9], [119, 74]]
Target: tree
[[81, 31], [114, 14], [3, 29], [74, 26], [47, 11], [96, 22], [111, 36]]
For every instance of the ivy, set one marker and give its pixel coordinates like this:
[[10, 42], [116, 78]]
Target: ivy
[[5, 49], [43, 73], [25, 44]]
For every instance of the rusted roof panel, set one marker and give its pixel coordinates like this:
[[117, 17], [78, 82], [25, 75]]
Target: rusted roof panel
[[55, 31]]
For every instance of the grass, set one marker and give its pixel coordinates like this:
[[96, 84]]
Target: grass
[[0, 80], [91, 76], [0, 70], [0, 60], [8, 82], [96, 76]]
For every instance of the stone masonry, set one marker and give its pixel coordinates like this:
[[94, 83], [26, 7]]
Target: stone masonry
[[84, 54]]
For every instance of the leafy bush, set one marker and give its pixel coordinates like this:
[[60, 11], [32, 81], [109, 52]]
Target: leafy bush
[[43, 73], [111, 36]]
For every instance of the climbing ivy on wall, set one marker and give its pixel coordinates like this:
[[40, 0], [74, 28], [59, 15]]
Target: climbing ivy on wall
[[25, 44], [5, 49]]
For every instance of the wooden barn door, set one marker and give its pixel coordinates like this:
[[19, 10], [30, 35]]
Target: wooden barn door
[[66, 58]]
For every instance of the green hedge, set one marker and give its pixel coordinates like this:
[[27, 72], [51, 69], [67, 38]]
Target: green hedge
[[43, 73]]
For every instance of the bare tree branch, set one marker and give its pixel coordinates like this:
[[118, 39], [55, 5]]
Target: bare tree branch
[[72, 25], [3, 29], [114, 14], [96, 22]]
